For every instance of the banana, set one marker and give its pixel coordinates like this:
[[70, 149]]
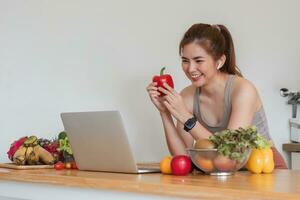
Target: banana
[[19, 156], [44, 156], [31, 153], [32, 158]]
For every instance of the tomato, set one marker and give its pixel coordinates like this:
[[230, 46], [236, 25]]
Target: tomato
[[181, 165], [224, 163], [73, 165], [68, 165], [59, 165]]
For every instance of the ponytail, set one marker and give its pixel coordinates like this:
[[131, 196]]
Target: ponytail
[[230, 63]]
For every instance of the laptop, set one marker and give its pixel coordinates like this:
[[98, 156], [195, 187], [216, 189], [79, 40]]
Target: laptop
[[99, 143]]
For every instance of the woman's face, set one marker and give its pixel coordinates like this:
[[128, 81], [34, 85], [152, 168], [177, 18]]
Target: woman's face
[[197, 64]]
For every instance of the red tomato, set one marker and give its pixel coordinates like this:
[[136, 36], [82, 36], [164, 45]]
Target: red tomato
[[73, 165], [181, 165], [59, 165]]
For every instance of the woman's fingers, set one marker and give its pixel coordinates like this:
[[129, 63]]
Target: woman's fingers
[[166, 92], [170, 89], [155, 93], [152, 86], [168, 98]]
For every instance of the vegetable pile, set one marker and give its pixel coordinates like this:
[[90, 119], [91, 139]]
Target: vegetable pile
[[235, 143]]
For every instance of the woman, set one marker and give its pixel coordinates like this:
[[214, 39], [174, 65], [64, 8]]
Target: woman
[[218, 98]]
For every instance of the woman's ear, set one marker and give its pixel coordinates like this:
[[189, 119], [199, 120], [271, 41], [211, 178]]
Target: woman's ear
[[221, 62], [219, 65]]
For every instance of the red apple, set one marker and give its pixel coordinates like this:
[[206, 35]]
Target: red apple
[[181, 165]]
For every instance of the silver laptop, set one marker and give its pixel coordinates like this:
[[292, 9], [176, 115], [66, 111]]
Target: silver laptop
[[99, 142]]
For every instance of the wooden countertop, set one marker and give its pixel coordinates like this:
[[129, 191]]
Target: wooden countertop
[[282, 184], [293, 147]]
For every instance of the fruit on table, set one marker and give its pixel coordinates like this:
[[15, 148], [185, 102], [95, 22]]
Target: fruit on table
[[59, 165], [181, 165], [165, 165], [30, 153], [261, 160], [68, 165], [205, 164], [15, 146], [224, 164], [20, 156], [204, 144], [44, 156], [163, 78], [73, 165], [52, 147]]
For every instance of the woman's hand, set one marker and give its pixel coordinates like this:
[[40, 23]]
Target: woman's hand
[[175, 104], [155, 98]]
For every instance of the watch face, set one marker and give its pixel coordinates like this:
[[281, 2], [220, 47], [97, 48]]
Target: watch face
[[190, 123]]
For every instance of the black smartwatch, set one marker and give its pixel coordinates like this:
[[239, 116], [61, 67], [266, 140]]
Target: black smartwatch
[[190, 123]]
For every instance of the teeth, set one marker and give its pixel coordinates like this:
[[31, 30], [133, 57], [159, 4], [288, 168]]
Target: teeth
[[195, 75]]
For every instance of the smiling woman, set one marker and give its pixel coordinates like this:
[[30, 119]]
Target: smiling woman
[[218, 97]]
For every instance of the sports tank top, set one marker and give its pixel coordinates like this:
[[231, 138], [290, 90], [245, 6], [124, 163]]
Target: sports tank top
[[259, 118]]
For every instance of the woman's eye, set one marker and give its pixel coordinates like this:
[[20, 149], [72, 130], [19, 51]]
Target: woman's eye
[[199, 61], [185, 61]]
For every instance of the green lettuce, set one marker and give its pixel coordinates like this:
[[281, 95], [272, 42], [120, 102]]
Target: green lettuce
[[236, 143]]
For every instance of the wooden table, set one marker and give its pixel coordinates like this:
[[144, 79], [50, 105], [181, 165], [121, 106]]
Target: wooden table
[[282, 184], [291, 147]]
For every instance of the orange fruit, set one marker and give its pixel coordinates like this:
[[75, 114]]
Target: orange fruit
[[165, 165], [205, 164]]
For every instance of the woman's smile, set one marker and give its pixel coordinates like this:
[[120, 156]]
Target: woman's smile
[[196, 77]]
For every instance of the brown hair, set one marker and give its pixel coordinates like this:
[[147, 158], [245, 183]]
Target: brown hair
[[216, 40]]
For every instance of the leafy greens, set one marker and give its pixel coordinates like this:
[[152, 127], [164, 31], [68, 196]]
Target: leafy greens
[[236, 143]]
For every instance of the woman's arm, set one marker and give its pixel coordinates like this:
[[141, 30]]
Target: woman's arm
[[175, 143], [177, 138], [245, 102], [185, 103]]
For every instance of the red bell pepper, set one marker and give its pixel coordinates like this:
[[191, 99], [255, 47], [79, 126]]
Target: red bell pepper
[[163, 78]]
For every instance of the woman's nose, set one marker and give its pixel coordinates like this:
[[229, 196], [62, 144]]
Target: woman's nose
[[192, 67]]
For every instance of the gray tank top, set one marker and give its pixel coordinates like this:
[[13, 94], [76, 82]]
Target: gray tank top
[[259, 118]]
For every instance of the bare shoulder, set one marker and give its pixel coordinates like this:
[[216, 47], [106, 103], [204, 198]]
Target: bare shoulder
[[244, 90], [241, 84], [187, 95]]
